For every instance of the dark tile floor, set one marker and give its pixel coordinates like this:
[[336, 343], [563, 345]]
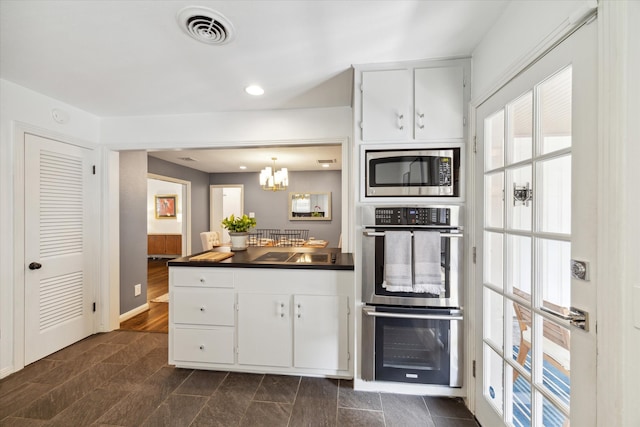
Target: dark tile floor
[[122, 379]]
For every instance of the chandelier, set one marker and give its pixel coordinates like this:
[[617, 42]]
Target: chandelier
[[272, 180]]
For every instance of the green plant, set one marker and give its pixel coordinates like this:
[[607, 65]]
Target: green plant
[[239, 224]]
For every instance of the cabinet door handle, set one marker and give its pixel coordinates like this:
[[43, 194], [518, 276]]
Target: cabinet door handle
[[202, 308], [420, 120], [201, 347], [401, 121]]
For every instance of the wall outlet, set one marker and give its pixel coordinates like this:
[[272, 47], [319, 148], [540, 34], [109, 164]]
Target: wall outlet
[[137, 290]]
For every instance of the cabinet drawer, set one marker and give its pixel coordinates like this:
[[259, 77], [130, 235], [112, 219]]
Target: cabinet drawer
[[209, 277], [203, 345], [203, 306]]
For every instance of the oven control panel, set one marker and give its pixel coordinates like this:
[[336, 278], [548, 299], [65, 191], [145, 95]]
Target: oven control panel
[[412, 216]]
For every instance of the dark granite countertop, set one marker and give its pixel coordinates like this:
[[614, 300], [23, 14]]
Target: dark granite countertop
[[274, 257]]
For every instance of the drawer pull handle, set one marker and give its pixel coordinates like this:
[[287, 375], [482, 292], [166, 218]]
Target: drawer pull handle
[[202, 280], [201, 347], [202, 308]]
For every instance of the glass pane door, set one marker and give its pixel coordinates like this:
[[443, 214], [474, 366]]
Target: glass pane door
[[526, 253]]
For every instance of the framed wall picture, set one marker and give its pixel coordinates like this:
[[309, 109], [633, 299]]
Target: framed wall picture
[[166, 206]]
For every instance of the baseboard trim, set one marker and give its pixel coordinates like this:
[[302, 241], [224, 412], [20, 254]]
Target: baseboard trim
[[132, 313], [6, 372]]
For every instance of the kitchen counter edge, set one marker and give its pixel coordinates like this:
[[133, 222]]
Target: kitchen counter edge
[[246, 259]]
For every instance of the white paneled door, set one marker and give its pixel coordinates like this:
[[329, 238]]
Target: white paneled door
[[58, 291], [536, 170]]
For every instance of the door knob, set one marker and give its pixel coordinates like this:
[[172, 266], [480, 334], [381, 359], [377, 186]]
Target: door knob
[[35, 266]]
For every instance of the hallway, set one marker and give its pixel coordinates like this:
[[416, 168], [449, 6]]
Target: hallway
[[156, 319]]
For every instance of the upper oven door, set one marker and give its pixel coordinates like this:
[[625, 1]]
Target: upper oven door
[[411, 173], [374, 269]]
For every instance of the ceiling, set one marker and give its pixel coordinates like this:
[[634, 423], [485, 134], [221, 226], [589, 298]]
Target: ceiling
[[131, 58], [303, 158]]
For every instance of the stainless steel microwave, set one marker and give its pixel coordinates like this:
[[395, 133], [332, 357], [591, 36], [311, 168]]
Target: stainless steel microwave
[[409, 173]]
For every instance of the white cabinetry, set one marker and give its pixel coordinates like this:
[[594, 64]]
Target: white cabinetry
[[422, 103], [264, 330], [293, 321], [386, 105], [321, 332], [201, 316], [319, 324]]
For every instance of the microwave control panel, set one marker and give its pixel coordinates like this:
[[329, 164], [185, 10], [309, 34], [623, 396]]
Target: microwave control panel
[[444, 172], [412, 216]]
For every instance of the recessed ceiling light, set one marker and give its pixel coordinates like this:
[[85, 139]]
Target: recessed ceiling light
[[325, 165], [243, 167], [254, 90]]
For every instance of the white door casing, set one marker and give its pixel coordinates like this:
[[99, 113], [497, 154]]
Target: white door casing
[[59, 274], [578, 56]]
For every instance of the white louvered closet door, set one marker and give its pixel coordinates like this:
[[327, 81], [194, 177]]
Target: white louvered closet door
[[58, 292]]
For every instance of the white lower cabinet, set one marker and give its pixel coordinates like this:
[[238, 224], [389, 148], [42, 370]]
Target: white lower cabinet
[[213, 345], [264, 330], [261, 320], [310, 333], [321, 332]]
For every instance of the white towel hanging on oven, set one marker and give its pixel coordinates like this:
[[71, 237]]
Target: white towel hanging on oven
[[397, 261], [426, 262]]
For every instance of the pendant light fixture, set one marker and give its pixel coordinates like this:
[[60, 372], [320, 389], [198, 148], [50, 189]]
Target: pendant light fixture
[[272, 180]]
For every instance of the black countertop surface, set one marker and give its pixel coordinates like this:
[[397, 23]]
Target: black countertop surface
[[276, 257]]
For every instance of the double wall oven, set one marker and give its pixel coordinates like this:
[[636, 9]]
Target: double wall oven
[[412, 291]]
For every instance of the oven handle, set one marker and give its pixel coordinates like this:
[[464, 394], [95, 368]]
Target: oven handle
[[381, 234], [371, 312]]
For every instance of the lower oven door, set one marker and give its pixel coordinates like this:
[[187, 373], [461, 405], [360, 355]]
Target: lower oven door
[[412, 345]]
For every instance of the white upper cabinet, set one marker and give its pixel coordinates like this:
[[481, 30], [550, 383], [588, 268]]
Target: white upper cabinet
[[420, 102], [386, 105], [439, 103]]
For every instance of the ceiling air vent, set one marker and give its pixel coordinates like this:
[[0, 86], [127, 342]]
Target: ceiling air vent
[[205, 25]]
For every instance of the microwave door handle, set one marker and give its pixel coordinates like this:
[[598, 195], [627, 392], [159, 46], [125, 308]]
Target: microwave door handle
[[381, 234], [372, 313]]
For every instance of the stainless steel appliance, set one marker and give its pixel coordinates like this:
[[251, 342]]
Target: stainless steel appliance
[[412, 345], [412, 331], [408, 173], [377, 222]]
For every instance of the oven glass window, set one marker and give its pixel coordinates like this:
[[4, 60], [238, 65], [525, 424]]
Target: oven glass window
[[412, 347], [411, 350]]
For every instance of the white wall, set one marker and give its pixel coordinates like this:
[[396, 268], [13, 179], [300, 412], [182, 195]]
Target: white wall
[[631, 227], [523, 26], [223, 129], [21, 105], [164, 226]]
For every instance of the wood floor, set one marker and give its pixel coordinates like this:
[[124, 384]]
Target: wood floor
[[156, 319]]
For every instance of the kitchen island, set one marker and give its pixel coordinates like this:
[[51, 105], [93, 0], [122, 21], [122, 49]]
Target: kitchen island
[[264, 310]]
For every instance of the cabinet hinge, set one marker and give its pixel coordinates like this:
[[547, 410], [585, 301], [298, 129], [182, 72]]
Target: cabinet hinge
[[475, 144], [474, 254], [361, 87], [94, 307], [473, 369], [94, 169], [237, 307], [348, 356]]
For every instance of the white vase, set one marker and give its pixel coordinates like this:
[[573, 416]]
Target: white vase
[[239, 240]]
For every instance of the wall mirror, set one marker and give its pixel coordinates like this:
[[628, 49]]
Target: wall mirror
[[310, 206]]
